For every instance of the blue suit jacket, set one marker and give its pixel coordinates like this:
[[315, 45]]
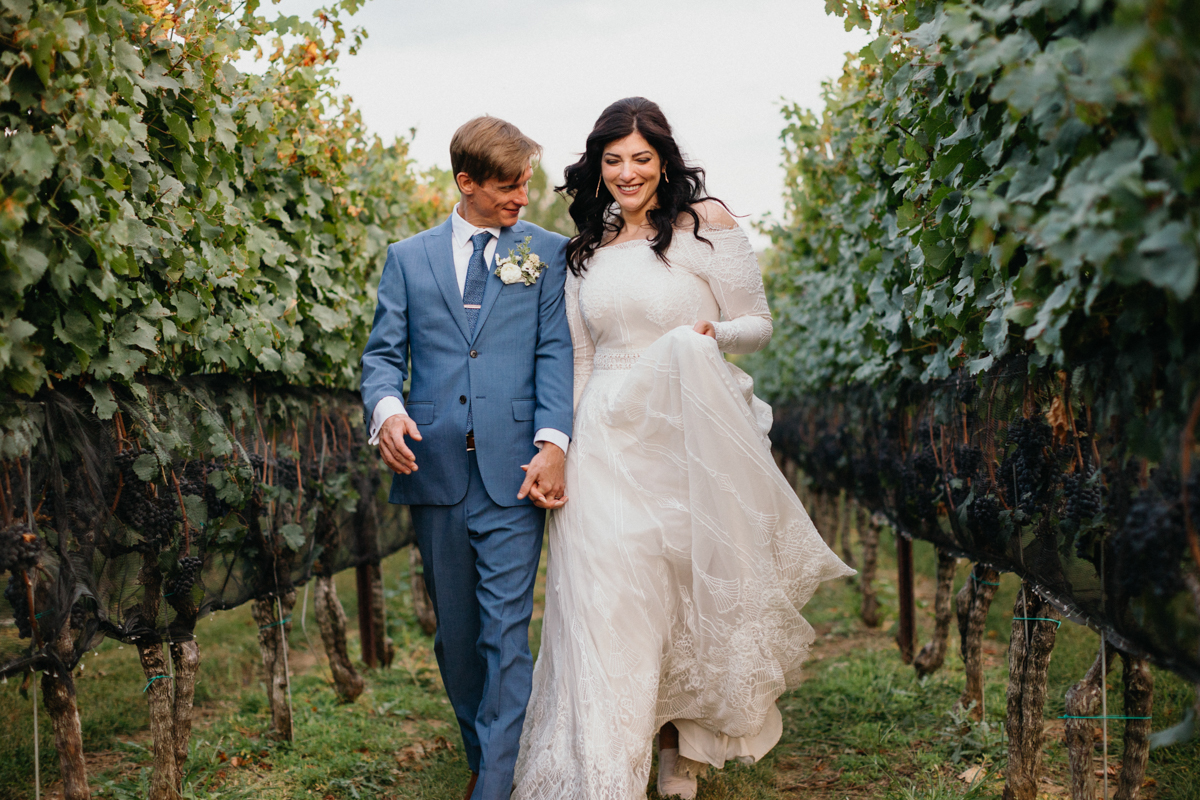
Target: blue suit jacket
[[516, 369]]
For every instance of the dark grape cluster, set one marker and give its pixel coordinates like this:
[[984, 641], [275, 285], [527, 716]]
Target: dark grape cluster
[[191, 482], [920, 485], [827, 458], [18, 599], [285, 474], [139, 508], [966, 392], [194, 482], [890, 463], [983, 519], [967, 460], [1083, 500], [965, 469], [1025, 473], [1150, 544], [20, 548], [186, 572], [866, 478]]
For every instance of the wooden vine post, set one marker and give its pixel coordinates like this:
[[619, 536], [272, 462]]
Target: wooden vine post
[[833, 521], [422, 603], [907, 629], [366, 618], [972, 604], [331, 616], [790, 473], [933, 654], [58, 693], [58, 684], [868, 535], [385, 650], [185, 658], [274, 616], [166, 780], [1083, 704], [331, 619], [1139, 706], [845, 516], [1034, 631], [376, 648]]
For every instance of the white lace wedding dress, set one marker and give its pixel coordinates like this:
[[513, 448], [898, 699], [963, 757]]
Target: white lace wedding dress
[[680, 563]]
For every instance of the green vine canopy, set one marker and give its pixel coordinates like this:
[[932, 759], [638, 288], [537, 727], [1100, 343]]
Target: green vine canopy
[[168, 214], [985, 292]]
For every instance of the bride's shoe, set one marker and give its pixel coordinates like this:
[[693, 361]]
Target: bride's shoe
[[670, 784]]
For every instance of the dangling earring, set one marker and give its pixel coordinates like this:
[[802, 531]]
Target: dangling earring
[[598, 182]]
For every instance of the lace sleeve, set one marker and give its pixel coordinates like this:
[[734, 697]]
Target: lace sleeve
[[581, 338], [736, 282]]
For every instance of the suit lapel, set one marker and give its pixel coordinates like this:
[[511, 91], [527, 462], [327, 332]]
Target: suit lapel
[[491, 289], [439, 249]]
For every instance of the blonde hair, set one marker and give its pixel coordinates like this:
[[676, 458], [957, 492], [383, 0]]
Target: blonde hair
[[487, 147]]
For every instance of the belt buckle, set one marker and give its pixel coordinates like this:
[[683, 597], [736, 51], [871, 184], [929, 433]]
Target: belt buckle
[[470, 441]]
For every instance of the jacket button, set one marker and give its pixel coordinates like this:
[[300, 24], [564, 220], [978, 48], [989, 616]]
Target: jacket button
[[462, 398], [474, 354]]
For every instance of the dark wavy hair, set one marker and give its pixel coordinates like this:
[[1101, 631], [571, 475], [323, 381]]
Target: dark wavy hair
[[676, 196]]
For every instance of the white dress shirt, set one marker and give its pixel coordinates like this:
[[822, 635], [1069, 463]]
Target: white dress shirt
[[461, 233]]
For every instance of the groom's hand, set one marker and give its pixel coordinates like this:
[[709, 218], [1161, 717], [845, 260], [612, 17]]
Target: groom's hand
[[545, 478], [392, 446]]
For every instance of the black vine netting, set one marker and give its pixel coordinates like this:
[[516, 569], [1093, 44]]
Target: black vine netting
[[1020, 475], [209, 494], [206, 493]]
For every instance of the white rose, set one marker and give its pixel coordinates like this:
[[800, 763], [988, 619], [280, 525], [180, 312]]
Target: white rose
[[510, 273]]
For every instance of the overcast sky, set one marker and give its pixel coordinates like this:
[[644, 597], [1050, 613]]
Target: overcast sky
[[719, 69]]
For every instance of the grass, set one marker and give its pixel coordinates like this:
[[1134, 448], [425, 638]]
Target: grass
[[861, 725]]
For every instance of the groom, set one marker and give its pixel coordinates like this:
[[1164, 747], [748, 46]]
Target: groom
[[490, 363]]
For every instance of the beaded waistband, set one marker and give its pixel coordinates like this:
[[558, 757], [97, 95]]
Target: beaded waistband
[[615, 359]]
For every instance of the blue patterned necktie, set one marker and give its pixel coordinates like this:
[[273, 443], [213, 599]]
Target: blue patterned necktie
[[473, 293], [476, 278]]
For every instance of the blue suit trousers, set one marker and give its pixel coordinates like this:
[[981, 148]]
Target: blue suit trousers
[[481, 561]]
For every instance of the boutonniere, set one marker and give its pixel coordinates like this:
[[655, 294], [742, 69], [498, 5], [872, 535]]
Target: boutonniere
[[523, 265]]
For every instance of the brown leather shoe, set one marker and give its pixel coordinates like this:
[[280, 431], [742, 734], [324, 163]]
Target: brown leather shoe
[[471, 785]]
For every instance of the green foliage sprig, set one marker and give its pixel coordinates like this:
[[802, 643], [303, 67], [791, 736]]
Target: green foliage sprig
[[165, 213]]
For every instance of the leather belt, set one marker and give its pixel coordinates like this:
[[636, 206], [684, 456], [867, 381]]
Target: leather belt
[[470, 441]]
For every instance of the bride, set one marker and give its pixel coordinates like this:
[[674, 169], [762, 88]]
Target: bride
[[679, 566]]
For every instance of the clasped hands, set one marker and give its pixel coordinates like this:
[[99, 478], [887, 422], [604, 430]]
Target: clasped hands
[[545, 476]]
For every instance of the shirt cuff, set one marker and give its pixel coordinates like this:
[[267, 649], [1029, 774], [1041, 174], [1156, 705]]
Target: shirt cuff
[[552, 436], [387, 407]]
